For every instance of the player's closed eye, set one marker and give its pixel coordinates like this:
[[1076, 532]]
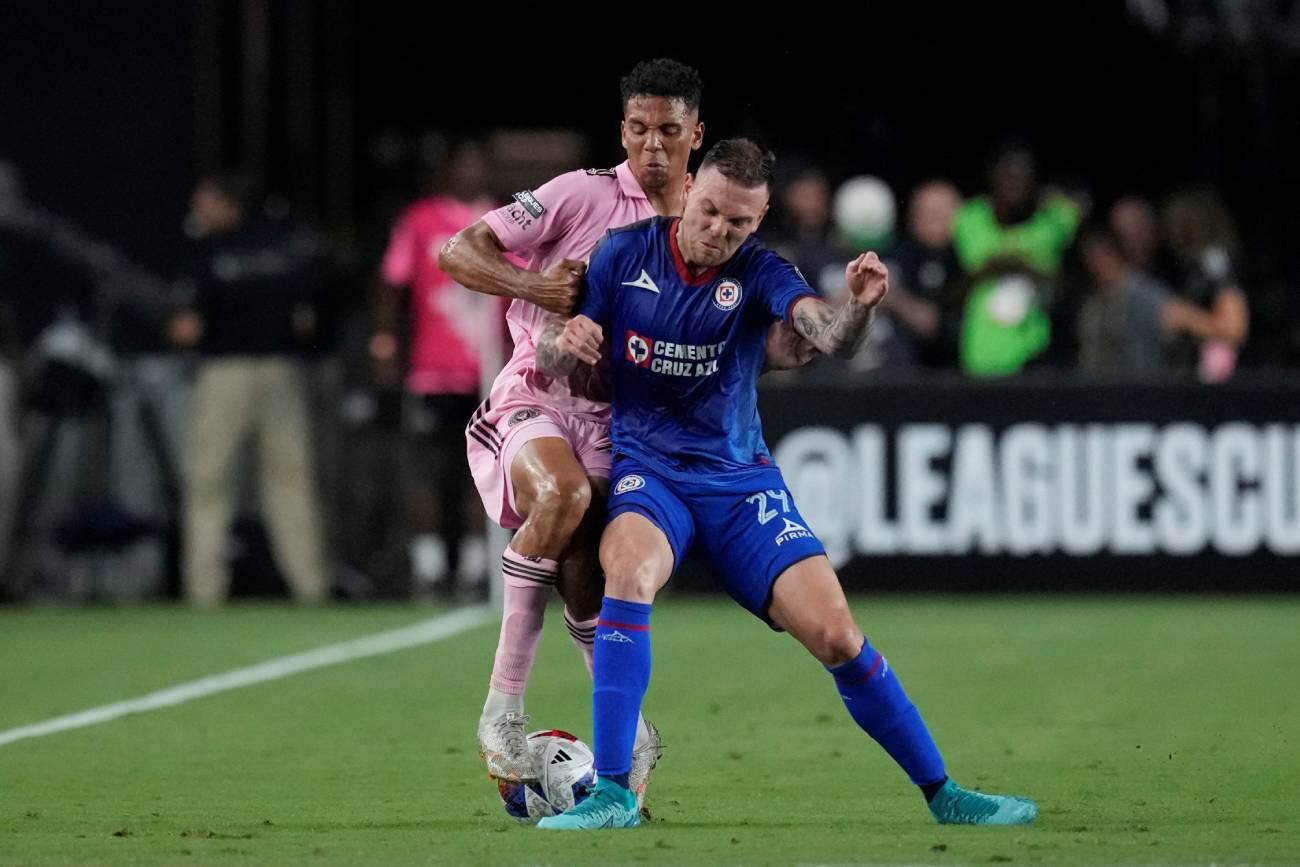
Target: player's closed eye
[[671, 130]]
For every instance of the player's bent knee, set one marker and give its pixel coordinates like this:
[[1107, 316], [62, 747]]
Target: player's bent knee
[[632, 582], [636, 557], [560, 503], [835, 643]]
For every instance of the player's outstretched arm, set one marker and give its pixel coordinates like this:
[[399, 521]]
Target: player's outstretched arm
[[474, 258], [842, 331], [564, 344]]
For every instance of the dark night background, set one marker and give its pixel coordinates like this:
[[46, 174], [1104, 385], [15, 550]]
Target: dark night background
[[102, 120]]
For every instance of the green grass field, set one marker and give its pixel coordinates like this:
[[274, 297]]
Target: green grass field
[[1150, 731]]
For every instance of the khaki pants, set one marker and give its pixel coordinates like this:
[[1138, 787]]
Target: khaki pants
[[234, 399]]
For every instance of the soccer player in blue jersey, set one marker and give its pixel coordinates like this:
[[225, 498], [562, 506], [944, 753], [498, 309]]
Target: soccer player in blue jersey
[[686, 305]]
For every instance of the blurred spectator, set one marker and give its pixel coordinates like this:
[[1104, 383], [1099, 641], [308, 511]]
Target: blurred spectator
[[1134, 224], [1204, 244], [1120, 322], [1010, 243], [803, 231], [254, 282], [449, 328], [1128, 318], [922, 269]]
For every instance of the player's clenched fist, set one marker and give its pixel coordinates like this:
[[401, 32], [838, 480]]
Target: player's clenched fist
[[557, 288], [868, 279], [581, 338]]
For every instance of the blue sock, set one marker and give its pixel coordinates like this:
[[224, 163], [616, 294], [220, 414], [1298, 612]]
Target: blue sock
[[877, 703], [622, 673]]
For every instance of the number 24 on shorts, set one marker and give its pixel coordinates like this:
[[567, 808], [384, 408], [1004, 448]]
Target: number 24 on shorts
[[764, 514]]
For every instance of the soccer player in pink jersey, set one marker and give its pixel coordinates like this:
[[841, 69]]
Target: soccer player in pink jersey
[[539, 446]]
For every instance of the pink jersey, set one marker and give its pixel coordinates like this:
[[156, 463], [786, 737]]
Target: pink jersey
[[565, 218], [448, 321]]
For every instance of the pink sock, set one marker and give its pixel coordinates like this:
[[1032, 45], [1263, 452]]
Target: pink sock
[[528, 585], [583, 633]]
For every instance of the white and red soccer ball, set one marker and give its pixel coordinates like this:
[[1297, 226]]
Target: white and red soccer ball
[[566, 771]]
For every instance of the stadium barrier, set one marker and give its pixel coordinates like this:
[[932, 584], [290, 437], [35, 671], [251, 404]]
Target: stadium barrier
[[1044, 484]]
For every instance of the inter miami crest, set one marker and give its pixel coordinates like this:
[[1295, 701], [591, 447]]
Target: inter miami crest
[[523, 415]]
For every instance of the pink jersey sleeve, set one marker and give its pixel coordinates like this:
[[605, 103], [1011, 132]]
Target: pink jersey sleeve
[[398, 267], [541, 216]]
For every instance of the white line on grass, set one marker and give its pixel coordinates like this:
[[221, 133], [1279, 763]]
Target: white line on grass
[[424, 632]]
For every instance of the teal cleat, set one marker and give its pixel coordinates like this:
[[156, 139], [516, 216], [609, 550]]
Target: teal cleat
[[608, 806], [953, 805]]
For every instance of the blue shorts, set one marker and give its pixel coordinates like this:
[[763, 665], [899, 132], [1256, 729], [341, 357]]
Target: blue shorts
[[746, 533]]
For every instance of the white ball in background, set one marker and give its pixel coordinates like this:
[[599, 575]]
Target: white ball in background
[[1011, 300], [865, 210]]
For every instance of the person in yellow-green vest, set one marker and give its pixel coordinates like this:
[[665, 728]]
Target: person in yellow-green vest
[[1010, 244]]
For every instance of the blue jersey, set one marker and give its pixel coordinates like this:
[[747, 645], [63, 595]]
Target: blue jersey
[[687, 351]]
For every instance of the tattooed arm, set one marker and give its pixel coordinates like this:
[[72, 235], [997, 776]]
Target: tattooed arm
[[564, 344], [551, 360], [842, 331], [839, 331]]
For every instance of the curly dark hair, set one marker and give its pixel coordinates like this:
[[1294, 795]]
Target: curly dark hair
[[663, 77], [742, 160]]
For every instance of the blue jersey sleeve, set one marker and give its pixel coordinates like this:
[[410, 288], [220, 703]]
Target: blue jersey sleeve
[[599, 292], [780, 284]]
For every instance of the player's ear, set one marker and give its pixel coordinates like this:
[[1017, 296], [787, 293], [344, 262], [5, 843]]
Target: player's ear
[[697, 137], [759, 221], [687, 183], [622, 133]]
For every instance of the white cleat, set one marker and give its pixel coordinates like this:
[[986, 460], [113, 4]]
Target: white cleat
[[644, 759], [503, 744]]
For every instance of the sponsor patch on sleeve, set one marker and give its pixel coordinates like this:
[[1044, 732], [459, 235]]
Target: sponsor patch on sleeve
[[530, 203]]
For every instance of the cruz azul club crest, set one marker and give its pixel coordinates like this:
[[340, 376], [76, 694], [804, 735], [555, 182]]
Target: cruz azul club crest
[[727, 295], [639, 349]]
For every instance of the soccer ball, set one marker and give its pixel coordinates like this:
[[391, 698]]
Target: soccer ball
[[864, 212], [567, 773]]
